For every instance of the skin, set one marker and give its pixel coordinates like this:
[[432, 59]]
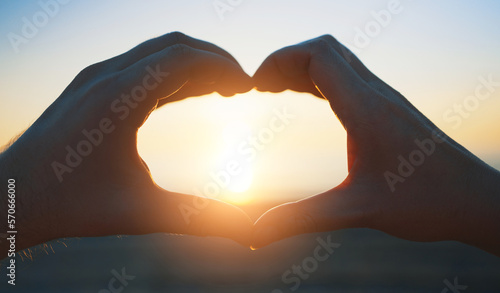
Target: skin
[[452, 195], [111, 192]]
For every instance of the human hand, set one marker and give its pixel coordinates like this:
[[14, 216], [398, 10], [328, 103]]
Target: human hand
[[77, 167], [406, 178]]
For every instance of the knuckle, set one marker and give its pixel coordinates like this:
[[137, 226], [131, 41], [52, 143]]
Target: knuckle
[[327, 43], [90, 75], [323, 43], [177, 36], [329, 38], [91, 71]]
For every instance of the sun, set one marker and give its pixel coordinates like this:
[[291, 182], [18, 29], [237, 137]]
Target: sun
[[235, 167]]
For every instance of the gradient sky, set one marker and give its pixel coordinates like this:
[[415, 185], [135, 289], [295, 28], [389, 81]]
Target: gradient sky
[[433, 52]]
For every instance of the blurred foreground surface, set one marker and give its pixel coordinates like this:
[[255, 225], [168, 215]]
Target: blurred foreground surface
[[365, 261]]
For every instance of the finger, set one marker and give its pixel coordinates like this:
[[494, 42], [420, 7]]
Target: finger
[[188, 90], [191, 89], [289, 67], [186, 214], [160, 43], [166, 72], [332, 210], [350, 58], [286, 69], [317, 64], [369, 77], [146, 49]]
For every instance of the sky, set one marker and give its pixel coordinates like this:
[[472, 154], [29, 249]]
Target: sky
[[434, 52]]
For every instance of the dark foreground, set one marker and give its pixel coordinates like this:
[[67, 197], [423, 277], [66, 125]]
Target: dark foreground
[[365, 261]]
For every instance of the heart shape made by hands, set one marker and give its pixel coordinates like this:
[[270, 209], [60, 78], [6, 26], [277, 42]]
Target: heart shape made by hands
[[388, 143], [253, 148]]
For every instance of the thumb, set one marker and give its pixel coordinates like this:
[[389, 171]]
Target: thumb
[[333, 210], [188, 214]]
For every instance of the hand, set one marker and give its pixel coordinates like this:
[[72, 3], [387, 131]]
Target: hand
[[405, 177], [77, 167]]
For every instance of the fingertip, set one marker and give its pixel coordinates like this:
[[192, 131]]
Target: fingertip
[[264, 76], [272, 226], [247, 84], [235, 81], [281, 222], [242, 230], [284, 69]]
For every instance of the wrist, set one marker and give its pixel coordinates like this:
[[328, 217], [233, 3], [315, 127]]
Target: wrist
[[24, 205]]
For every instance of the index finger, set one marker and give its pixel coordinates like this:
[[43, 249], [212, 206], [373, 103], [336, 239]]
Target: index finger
[[318, 68], [155, 45], [164, 73]]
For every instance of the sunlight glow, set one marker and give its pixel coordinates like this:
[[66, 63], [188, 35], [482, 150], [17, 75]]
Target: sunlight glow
[[235, 170]]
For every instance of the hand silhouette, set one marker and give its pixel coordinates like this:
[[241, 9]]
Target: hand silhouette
[[77, 167], [406, 178], [79, 173]]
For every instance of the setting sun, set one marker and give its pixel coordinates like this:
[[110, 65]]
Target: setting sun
[[232, 168], [234, 136]]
